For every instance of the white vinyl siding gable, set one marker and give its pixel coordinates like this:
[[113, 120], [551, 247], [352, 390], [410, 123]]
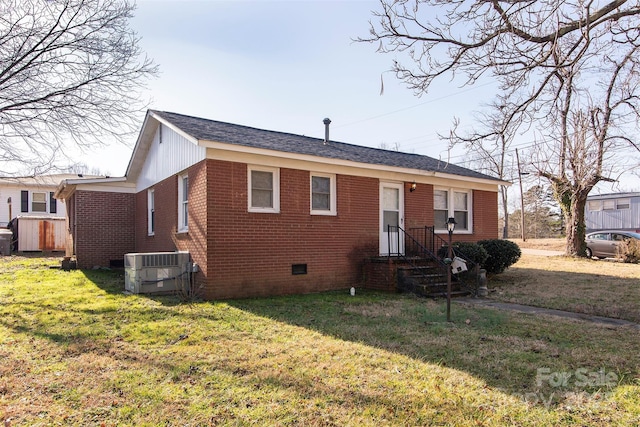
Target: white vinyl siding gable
[[176, 153]]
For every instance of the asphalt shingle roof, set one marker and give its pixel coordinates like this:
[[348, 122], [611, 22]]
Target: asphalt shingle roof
[[211, 130]]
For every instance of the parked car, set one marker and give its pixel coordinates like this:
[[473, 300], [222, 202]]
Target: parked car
[[603, 244]]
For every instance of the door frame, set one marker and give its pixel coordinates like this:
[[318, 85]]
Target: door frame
[[384, 236]]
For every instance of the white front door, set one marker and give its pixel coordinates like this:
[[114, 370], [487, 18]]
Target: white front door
[[391, 214]]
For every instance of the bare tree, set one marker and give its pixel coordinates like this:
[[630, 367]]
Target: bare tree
[[70, 75], [490, 147], [589, 125], [569, 67]]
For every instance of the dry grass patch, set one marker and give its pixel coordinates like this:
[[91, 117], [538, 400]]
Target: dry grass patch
[[550, 244], [602, 288]]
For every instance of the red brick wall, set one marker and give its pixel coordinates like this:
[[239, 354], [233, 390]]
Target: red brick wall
[[418, 210], [166, 217], [243, 254], [104, 227], [166, 238], [251, 254], [195, 241], [485, 215]]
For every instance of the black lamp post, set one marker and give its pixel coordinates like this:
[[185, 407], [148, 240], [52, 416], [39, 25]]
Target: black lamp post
[[451, 225]]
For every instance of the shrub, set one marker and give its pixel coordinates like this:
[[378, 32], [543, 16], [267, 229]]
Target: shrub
[[629, 251], [472, 251], [502, 254]]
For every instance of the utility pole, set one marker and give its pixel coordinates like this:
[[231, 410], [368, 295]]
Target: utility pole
[[520, 173]]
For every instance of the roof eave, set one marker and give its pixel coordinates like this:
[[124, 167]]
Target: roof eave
[[372, 166], [67, 187]]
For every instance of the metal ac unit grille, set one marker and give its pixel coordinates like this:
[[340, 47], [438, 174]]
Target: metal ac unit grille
[[156, 271], [160, 260]]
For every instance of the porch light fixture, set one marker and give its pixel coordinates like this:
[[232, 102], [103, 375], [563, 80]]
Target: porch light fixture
[[413, 187], [451, 225]]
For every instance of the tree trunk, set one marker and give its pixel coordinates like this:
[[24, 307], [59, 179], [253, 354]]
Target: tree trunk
[[572, 202], [575, 227]]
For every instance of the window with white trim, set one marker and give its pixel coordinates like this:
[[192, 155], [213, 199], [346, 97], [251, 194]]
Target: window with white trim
[[38, 202], [183, 203], [594, 205], [264, 189], [609, 205], [448, 203], [623, 203], [323, 194], [440, 208], [151, 212]]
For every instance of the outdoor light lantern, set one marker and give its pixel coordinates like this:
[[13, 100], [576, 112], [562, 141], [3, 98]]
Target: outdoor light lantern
[[413, 187], [451, 225]]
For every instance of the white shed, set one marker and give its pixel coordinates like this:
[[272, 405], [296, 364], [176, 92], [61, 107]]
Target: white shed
[[40, 233]]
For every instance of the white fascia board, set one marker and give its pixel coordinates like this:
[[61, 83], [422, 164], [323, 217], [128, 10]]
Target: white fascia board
[[110, 185], [107, 187], [495, 182], [96, 180], [231, 152], [138, 148]]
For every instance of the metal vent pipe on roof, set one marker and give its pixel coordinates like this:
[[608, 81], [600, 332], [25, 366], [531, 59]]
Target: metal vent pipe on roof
[[326, 122]]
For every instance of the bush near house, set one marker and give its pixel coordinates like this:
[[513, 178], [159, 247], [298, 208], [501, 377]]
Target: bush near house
[[502, 254], [473, 251]]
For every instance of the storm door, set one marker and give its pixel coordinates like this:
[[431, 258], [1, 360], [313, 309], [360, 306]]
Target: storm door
[[391, 218]]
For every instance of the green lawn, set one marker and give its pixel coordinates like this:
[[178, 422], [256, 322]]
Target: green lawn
[[76, 351]]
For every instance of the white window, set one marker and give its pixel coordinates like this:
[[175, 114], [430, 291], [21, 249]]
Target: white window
[[183, 203], [594, 205], [264, 189], [623, 203], [151, 212], [452, 203], [39, 202], [323, 194], [440, 208], [608, 205]]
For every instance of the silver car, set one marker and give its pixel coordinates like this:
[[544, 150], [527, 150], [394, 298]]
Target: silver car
[[604, 244]]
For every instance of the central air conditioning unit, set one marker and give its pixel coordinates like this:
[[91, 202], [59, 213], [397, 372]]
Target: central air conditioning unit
[[156, 272]]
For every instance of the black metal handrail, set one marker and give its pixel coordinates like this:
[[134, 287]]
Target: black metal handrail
[[424, 243], [413, 249]]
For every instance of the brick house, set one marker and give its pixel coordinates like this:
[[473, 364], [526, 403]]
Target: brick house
[[264, 212]]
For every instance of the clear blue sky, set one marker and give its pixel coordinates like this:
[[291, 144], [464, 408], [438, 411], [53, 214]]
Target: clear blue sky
[[286, 65]]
